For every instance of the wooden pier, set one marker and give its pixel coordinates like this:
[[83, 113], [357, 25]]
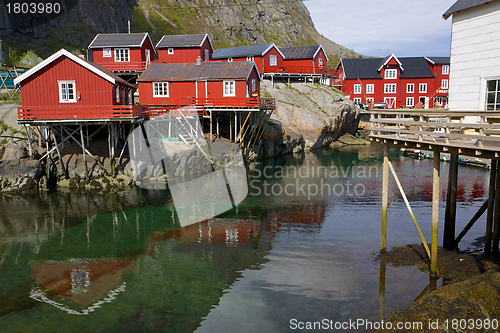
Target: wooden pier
[[471, 133]]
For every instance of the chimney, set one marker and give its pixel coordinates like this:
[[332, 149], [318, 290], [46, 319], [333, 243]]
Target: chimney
[[289, 44], [199, 61]]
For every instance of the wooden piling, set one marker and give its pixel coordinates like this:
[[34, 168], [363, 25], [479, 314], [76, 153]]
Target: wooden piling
[[491, 205], [435, 209], [496, 220], [84, 155], [451, 205], [385, 197]]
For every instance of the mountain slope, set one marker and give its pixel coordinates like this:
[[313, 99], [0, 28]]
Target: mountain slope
[[229, 23]]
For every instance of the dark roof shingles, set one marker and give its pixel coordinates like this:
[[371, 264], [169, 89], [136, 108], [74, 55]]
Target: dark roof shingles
[[181, 41], [300, 52], [118, 40], [462, 5], [367, 68], [240, 52]]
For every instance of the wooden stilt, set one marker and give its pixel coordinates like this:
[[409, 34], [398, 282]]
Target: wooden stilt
[[451, 205], [47, 144], [491, 205], [84, 155], [496, 222], [381, 292], [210, 126], [435, 209], [59, 155], [28, 134], [385, 198], [235, 125], [230, 129], [218, 135]]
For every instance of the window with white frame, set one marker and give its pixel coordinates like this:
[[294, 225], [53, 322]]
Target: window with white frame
[[229, 88], [410, 101], [229, 59], [254, 86], [446, 69], [131, 97], [410, 88], [122, 55], [422, 88], [160, 89], [250, 58], [370, 99], [493, 95], [357, 100], [390, 88], [273, 60], [357, 89], [207, 55], [106, 53], [117, 91], [370, 88], [391, 73], [444, 84], [170, 50], [67, 93], [320, 62]]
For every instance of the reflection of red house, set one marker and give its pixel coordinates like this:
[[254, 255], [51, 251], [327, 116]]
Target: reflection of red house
[[123, 52], [306, 59], [266, 56], [65, 86], [184, 48], [216, 84]]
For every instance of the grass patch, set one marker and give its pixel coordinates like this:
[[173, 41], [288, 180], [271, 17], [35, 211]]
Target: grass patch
[[265, 93], [6, 99], [297, 106]]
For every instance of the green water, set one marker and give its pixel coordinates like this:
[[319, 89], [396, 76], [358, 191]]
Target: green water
[[301, 246]]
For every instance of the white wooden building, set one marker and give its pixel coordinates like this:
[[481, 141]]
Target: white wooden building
[[475, 55]]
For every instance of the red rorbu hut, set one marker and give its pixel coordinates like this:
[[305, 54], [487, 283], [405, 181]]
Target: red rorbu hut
[[129, 53], [65, 86], [266, 56], [184, 48], [214, 84], [305, 59]]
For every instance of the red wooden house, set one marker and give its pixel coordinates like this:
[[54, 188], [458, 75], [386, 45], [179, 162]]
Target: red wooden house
[[440, 67], [266, 56], [123, 52], [184, 48], [397, 82], [213, 84], [65, 86], [306, 59]]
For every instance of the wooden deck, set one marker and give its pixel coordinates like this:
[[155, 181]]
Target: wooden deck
[[468, 133]]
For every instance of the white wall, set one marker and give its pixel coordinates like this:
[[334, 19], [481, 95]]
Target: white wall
[[475, 55]]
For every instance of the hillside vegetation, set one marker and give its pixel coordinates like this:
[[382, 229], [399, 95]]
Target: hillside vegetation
[[228, 22]]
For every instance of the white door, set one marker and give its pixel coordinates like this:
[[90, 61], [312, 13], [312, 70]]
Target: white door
[[391, 102]]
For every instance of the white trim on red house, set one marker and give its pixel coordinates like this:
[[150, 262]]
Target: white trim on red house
[[389, 59], [320, 48], [250, 72], [58, 54]]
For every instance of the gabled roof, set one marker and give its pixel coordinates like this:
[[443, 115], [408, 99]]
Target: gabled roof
[[244, 51], [388, 59], [438, 60], [95, 68], [462, 5], [302, 52], [192, 72], [183, 41], [369, 68], [120, 40]]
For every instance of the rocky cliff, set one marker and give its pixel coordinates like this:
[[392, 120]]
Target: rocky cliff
[[229, 23]]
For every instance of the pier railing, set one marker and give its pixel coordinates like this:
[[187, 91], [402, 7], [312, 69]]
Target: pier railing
[[476, 132], [81, 112]]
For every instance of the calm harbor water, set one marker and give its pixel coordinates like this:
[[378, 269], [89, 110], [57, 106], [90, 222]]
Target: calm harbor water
[[301, 246]]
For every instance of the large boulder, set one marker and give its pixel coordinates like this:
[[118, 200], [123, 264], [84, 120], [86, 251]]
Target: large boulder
[[20, 176]]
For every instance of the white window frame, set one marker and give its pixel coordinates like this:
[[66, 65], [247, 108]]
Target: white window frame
[[391, 73], [161, 89], [254, 86], [131, 97], [357, 100], [64, 95], [106, 53], [357, 89], [250, 58], [122, 55], [495, 93], [320, 62], [273, 60], [229, 88], [370, 99], [410, 101], [422, 88], [390, 88], [446, 69], [370, 88], [444, 84], [170, 50], [207, 55], [410, 88]]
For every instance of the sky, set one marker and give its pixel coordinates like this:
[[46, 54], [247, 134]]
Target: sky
[[406, 28]]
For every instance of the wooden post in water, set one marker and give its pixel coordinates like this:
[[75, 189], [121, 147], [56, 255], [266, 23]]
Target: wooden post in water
[[381, 291], [451, 205], [385, 197], [435, 209], [84, 155], [491, 205], [496, 222]]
